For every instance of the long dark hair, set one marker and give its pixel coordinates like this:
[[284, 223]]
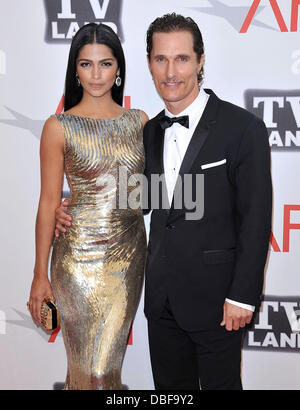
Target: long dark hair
[[89, 34]]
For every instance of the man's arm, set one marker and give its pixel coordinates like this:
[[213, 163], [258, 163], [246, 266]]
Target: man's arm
[[254, 212], [254, 209]]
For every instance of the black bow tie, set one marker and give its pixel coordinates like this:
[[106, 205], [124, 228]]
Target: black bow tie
[[166, 122]]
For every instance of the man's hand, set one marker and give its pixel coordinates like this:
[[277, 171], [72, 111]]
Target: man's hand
[[62, 219], [235, 317]]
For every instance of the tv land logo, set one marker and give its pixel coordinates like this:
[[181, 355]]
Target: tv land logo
[[276, 326], [280, 111], [65, 17], [241, 17]]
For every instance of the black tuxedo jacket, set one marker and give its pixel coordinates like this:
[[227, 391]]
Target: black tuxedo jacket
[[197, 264]]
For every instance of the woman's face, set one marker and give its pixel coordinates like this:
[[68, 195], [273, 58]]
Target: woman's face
[[97, 69]]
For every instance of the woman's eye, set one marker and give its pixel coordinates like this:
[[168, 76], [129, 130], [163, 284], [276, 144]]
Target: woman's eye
[[107, 64], [84, 65]]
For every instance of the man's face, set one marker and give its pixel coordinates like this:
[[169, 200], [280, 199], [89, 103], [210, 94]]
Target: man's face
[[174, 67]]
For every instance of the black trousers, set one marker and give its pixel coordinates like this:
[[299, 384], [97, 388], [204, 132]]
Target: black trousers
[[181, 360]]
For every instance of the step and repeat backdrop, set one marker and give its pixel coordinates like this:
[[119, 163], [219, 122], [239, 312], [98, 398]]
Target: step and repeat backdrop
[[252, 53]]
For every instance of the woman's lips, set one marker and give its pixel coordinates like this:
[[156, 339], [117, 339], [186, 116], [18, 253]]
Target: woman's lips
[[95, 85]]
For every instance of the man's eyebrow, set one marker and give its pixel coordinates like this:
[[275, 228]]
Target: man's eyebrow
[[177, 55]]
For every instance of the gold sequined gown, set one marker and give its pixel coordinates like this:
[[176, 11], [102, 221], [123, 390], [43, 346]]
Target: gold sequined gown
[[97, 266]]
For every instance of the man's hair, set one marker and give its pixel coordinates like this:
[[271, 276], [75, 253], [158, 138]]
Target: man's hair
[[176, 22]]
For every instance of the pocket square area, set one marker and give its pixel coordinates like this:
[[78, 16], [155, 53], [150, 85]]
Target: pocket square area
[[214, 164]]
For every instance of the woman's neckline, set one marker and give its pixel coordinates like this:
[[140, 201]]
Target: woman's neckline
[[93, 118]]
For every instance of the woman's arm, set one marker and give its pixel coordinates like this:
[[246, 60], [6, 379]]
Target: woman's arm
[[52, 171]]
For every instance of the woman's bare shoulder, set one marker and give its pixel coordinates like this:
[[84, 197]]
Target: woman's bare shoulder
[[52, 131]]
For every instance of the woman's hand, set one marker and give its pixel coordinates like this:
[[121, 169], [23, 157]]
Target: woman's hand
[[40, 290]]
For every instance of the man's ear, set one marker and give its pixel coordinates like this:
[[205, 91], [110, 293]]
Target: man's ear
[[202, 61]]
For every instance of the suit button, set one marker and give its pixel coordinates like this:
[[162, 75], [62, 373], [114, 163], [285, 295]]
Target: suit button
[[170, 227]]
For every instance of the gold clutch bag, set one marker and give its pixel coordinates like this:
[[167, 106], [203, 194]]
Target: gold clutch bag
[[50, 315]]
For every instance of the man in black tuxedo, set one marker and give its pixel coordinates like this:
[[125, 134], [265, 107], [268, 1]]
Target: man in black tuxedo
[[205, 270], [204, 276]]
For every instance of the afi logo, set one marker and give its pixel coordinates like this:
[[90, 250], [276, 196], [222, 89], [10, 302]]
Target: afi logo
[[288, 226], [277, 13], [235, 15]]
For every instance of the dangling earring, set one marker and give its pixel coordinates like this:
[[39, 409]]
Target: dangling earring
[[118, 81], [78, 80]]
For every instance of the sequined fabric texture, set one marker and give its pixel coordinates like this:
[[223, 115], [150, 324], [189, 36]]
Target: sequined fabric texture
[[97, 266]]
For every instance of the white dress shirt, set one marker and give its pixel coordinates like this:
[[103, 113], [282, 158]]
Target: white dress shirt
[[176, 141]]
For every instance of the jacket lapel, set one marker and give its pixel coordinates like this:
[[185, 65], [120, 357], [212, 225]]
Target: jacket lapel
[[198, 139], [159, 145], [158, 158]]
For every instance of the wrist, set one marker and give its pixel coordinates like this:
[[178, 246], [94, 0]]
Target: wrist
[[40, 274]]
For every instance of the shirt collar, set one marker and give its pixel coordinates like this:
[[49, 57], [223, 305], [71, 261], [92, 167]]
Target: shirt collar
[[194, 109]]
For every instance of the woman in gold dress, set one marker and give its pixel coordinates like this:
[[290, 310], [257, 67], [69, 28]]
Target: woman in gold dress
[[97, 266]]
